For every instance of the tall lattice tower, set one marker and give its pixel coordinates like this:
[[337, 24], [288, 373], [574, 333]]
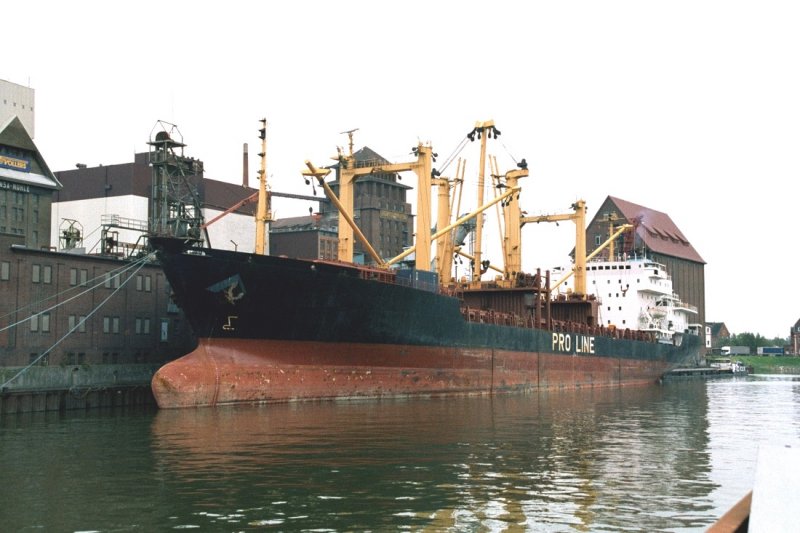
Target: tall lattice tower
[[175, 209]]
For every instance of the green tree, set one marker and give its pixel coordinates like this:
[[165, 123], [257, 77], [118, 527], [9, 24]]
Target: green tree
[[779, 341], [755, 340], [747, 339]]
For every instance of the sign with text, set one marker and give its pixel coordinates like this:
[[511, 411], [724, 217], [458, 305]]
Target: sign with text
[[571, 343], [18, 187], [15, 163]]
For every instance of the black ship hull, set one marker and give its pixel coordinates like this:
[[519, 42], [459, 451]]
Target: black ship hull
[[279, 329]]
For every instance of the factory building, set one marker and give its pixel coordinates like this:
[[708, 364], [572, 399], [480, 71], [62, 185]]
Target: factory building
[[115, 201]]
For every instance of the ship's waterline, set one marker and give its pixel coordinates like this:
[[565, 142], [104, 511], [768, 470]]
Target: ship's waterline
[[228, 371]]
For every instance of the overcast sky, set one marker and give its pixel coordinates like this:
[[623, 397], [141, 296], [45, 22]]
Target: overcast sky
[[688, 107]]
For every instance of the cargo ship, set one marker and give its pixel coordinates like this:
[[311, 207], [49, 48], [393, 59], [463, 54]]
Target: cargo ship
[[277, 329]]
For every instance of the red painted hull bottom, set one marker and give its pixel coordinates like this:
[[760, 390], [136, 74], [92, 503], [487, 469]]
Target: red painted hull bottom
[[231, 371]]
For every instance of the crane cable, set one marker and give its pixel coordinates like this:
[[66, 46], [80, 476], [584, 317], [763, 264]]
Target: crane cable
[[458, 149]]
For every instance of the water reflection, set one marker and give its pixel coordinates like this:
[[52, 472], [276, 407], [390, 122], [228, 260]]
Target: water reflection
[[596, 460]]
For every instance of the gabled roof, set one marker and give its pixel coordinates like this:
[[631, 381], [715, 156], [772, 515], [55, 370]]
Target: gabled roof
[[14, 135], [657, 230], [366, 156], [716, 327], [369, 156]]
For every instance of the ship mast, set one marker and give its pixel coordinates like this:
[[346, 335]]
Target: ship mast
[[513, 228], [319, 175], [579, 218], [607, 244], [445, 247], [263, 215], [611, 219], [447, 229], [348, 175], [483, 129]]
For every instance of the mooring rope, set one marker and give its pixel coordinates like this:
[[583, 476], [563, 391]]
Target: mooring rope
[[141, 262], [71, 289]]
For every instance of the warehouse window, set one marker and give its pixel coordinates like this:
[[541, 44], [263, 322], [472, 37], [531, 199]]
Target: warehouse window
[[34, 359], [77, 323], [112, 280], [40, 322], [110, 324]]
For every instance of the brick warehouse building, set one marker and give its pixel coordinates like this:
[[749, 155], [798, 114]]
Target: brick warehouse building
[[657, 236], [126, 319], [81, 353]]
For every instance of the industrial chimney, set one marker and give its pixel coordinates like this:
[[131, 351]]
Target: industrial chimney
[[245, 175]]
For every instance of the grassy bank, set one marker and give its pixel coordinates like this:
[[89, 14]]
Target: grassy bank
[[770, 364]]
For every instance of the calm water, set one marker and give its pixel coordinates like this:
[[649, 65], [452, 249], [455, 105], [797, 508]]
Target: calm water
[[660, 458]]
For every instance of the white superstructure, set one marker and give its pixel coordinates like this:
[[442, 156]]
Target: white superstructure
[[637, 294]]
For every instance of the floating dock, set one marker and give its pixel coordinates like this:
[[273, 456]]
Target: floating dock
[[700, 373]]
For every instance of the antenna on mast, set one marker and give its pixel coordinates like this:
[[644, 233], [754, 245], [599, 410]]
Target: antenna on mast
[[263, 215], [350, 138]]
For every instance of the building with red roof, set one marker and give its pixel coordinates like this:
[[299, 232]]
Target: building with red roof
[[656, 236]]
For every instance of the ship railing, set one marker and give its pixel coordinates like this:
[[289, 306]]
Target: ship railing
[[662, 275], [489, 316], [391, 277], [123, 222], [418, 284], [449, 290], [678, 303]]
